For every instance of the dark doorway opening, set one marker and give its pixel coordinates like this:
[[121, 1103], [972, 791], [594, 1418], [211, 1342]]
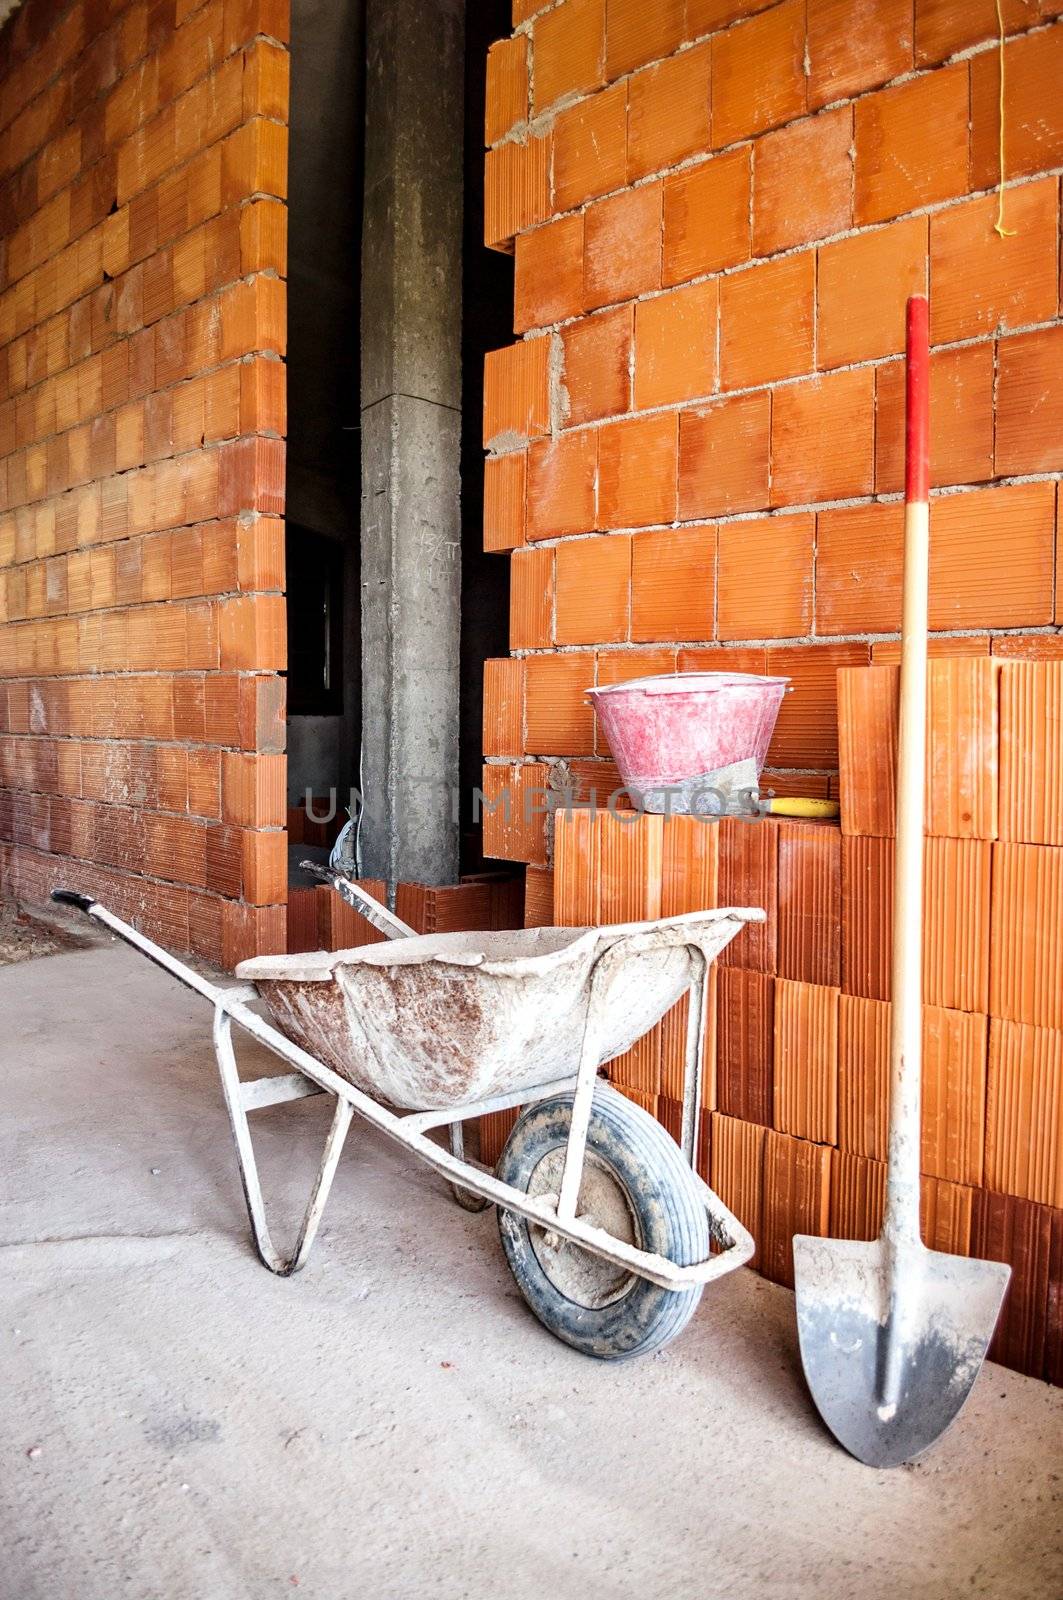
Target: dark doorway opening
[[325, 188]]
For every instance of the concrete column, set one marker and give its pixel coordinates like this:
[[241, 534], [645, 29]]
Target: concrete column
[[411, 424]]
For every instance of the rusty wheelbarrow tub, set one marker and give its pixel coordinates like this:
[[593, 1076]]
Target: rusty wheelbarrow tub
[[610, 1233]]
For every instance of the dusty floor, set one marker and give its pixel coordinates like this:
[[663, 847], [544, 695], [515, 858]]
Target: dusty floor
[[393, 1423], [23, 938]]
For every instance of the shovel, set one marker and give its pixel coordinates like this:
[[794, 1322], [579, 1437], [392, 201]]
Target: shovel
[[892, 1334]]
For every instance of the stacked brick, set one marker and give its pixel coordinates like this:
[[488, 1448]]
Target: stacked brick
[[717, 209], [142, 414], [795, 1099]]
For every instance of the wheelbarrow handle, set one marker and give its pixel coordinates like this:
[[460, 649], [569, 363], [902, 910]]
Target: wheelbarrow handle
[[71, 897]]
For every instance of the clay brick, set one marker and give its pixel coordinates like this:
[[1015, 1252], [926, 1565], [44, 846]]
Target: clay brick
[[1024, 1112], [1033, 124], [788, 212], [942, 28], [590, 148], [538, 898], [569, 46], [796, 1200], [806, 733], [597, 368], [673, 584], [867, 911], [1053, 1367], [867, 719], [810, 903], [724, 456], [823, 438], [957, 933], [765, 577], [675, 346], [690, 866], [622, 251], [962, 744], [668, 112], [806, 1060], [1031, 752], [620, 666], [984, 282], [706, 217], [859, 551], [1026, 979], [636, 33], [961, 401], [969, 585], [1030, 402], [495, 1129], [593, 590], [1028, 646], [737, 1169], [953, 1094], [766, 322], [504, 500], [514, 812], [745, 1033], [531, 599], [956, 939], [558, 720], [847, 56], [706, 16], [749, 876], [898, 168], [863, 1075], [562, 475], [516, 392], [503, 707], [1019, 1232], [253, 789], [252, 633], [864, 284], [637, 471], [548, 283], [758, 76], [575, 868], [507, 87], [857, 1196], [945, 1216], [628, 851], [516, 189]]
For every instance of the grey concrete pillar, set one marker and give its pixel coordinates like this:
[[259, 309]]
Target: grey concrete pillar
[[411, 421]]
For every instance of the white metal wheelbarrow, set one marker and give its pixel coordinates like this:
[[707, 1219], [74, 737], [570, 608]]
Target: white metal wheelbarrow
[[608, 1230]]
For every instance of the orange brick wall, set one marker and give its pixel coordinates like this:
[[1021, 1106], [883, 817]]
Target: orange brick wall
[[717, 209], [143, 153]]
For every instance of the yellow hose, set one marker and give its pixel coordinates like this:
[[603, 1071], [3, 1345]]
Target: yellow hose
[[795, 806]]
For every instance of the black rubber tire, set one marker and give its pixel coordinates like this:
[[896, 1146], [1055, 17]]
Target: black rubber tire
[[668, 1212]]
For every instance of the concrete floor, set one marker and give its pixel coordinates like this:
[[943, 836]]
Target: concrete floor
[[393, 1423]]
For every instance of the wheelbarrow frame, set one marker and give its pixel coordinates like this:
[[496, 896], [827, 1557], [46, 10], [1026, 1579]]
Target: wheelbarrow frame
[[555, 1214]]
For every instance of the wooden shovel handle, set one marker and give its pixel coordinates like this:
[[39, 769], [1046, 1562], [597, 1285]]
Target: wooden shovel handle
[[901, 1220]]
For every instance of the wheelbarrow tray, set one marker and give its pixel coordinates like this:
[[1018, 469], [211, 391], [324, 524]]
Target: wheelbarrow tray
[[439, 1021], [578, 978]]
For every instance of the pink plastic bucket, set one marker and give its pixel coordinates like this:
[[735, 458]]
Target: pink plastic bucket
[[687, 725]]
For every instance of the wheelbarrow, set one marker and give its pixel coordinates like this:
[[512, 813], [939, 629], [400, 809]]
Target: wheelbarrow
[[610, 1233]]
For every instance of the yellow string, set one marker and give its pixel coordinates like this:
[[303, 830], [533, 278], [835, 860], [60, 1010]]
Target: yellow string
[[998, 226]]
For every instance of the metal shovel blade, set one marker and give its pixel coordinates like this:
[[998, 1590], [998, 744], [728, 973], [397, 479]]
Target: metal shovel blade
[[892, 1339]]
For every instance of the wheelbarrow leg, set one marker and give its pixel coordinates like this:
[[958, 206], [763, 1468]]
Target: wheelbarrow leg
[[694, 1061], [467, 1201], [245, 1155]]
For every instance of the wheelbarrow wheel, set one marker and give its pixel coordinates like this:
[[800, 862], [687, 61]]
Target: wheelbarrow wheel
[[636, 1185]]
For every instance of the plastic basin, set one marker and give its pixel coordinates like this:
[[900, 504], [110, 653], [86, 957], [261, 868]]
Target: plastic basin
[[664, 730]]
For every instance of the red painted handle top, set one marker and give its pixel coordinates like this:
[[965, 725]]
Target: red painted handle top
[[917, 412]]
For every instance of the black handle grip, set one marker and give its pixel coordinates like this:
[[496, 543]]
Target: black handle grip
[[70, 897]]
